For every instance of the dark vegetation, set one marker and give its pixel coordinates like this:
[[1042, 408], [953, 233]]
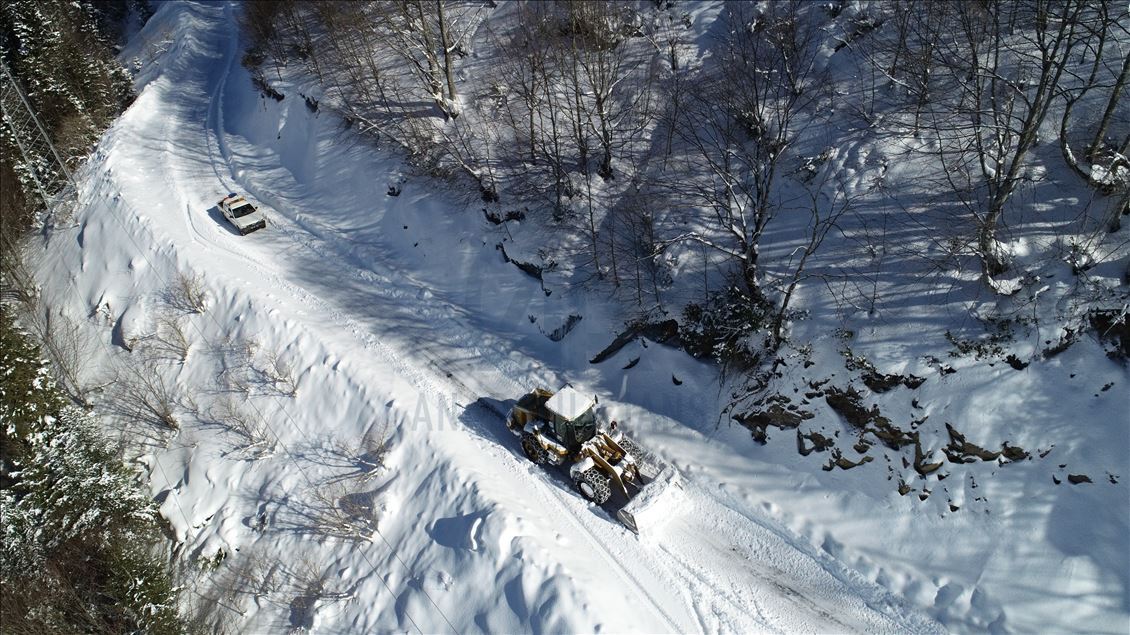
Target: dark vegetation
[[61, 55], [79, 533], [587, 111]]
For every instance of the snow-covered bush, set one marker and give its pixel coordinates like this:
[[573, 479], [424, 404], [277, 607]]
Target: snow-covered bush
[[726, 328]]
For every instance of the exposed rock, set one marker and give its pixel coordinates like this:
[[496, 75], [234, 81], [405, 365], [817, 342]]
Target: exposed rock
[[921, 465], [847, 404], [880, 383], [1065, 342], [1013, 453], [839, 461], [820, 443], [1015, 362], [961, 451], [1076, 479], [530, 269], [560, 332], [774, 416], [1113, 326], [498, 219]]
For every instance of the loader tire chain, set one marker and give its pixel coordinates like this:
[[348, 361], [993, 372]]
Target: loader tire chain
[[533, 449], [598, 482], [644, 460]]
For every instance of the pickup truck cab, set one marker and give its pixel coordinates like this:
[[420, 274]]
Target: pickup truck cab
[[242, 214]]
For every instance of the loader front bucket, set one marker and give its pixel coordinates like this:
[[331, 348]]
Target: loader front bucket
[[652, 505]]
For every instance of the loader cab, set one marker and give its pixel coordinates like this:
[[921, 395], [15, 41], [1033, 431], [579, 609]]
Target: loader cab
[[574, 433], [573, 421]]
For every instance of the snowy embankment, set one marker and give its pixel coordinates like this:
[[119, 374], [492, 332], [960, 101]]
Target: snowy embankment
[[363, 328]]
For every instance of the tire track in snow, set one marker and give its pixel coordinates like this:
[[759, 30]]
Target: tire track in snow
[[875, 597], [688, 571]]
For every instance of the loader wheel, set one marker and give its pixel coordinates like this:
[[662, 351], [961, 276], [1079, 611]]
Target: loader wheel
[[630, 447], [595, 485], [645, 463], [533, 449]]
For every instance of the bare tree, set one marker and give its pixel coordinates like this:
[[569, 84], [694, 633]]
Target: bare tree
[[246, 575], [257, 438], [825, 206], [170, 339], [66, 344], [426, 39], [336, 512], [16, 276], [146, 394], [1103, 33], [187, 293], [279, 374], [919, 29], [1118, 91], [311, 586], [740, 123], [1007, 61], [527, 81]]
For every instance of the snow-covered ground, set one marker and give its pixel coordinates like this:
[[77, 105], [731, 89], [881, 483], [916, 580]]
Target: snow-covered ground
[[358, 317]]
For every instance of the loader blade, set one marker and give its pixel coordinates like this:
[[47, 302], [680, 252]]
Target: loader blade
[[653, 504]]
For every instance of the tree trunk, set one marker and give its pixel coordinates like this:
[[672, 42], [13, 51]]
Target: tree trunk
[[1110, 106], [592, 230], [605, 170], [445, 41], [993, 261], [750, 272]]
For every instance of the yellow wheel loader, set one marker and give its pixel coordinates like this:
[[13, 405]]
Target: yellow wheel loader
[[562, 429]]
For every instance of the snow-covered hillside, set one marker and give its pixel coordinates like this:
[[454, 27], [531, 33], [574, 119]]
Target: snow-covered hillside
[[350, 361]]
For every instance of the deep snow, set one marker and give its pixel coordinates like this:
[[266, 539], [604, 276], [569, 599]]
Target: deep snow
[[398, 319]]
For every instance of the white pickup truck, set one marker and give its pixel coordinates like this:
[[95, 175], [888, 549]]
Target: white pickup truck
[[242, 214]]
